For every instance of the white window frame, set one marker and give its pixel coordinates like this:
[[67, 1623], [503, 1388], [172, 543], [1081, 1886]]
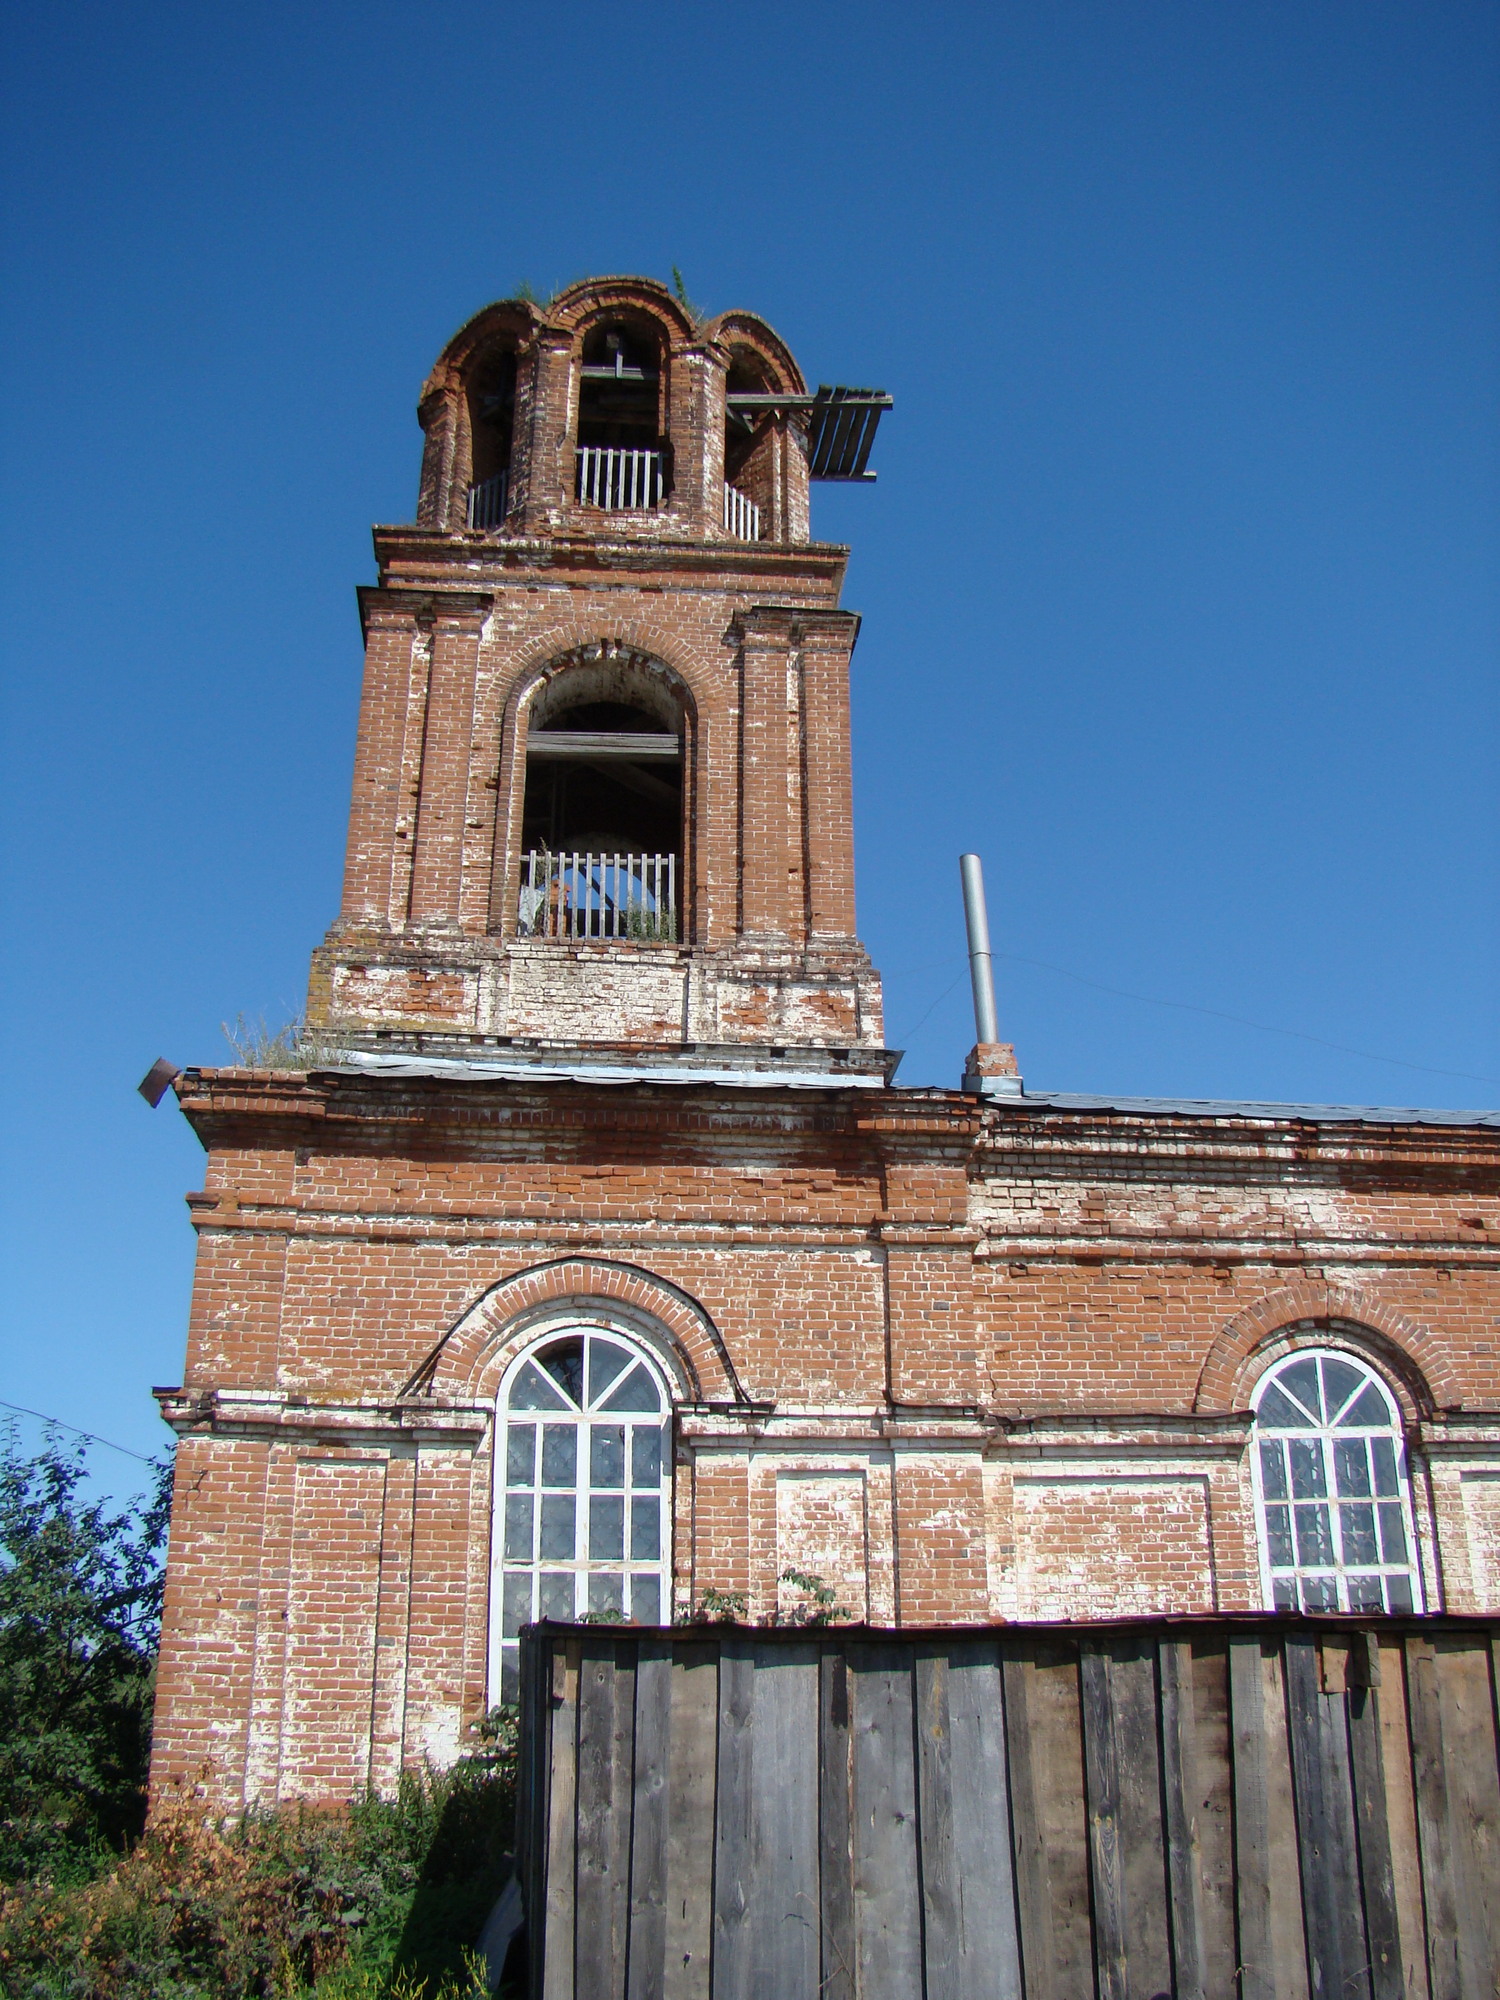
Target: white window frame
[[591, 1578], [1308, 1580]]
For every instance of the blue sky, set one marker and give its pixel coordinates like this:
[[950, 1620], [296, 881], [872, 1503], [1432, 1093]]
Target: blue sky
[[1178, 582]]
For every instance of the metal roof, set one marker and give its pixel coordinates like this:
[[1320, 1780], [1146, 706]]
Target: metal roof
[[1212, 1107], [841, 425]]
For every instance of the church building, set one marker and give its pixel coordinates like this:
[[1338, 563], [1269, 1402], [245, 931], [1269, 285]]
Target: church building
[[599, 1264]]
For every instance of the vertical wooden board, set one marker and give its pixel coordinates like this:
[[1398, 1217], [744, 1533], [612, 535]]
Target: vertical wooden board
[[691, 1786], [1181, 1813], [1367, 1770], [835, 1826], [1337, 1955], [989, 1953], [1401, 1817], [1049, 1816], [557, 1981], [606, 1728], [1252, 1819], [1440, 1865], [1126, 1846], [650, 1814], [935, 1775], [1213, 1808], [786, 1829], [1452, 1722], [887, 1893], [734, 1861]]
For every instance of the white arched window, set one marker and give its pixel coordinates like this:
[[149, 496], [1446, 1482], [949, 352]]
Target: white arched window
[[582, 1486], [1331, 1490]]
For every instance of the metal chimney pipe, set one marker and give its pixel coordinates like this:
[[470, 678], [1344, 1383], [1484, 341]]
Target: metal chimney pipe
[[981, 970]]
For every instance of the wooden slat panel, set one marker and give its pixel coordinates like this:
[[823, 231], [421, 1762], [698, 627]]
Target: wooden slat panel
[[692, 1774], [1337, 1965], [765, 1880], [1179, 1775], [986, 1954], [1126, 1846], [1451, 1717], [1367, 1770], [1213, 1815], [887, 1898], [1045, 1739], [562, 1829], [836, 1827], [650, 1816], [1401, 1817], [606, 1731]]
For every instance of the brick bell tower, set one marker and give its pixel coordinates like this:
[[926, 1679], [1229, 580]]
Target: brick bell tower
[[602, 784]]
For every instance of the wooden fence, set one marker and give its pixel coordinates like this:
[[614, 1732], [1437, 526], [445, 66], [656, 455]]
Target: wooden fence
[[1206, 1809]]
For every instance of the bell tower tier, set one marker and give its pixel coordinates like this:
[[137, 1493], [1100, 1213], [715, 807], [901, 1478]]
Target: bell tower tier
[[602, 782]]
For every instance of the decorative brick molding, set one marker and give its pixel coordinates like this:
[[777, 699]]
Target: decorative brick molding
[[473, 1355], [1408, 1351]]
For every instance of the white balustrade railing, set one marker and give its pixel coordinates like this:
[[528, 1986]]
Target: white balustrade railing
[[617, 479], [741, 515], [487, 501], [627, 896]]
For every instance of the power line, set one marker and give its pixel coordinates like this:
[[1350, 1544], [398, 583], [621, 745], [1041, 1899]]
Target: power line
[[92, 1437]]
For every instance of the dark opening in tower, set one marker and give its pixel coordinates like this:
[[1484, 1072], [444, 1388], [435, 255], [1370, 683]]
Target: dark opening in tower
[[492, 410], [602, 823], [624, 455], [749, 462]]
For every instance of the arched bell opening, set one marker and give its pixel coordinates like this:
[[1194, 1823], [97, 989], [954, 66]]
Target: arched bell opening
[[490, 393], [602, 827], [624, 452]]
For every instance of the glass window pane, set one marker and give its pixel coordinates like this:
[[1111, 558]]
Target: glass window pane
[[518, 1527], [1279, 1537], [606, 1360], [1398, 1593], [1393, 1532], [1357, 1524], [1273, 1470], [558, 1542], [1314, 1537], [606, 1530], [645, 1455], [1351, 1469], [1280, 1413], [1383, 1451], [1309, 1479], [564, 1363], [645, 1528], [606, 1591], [1319, 1593], [645, 1600], [1340, 1381], [1284, 1593], [606, 1454], [555, 1595], [1370, 1412], [516, 1605], [1365, 1594], [1300, 1379], [559, 1455], [636, 1392], [510, 1673], [520, 1455], [532, 1393]]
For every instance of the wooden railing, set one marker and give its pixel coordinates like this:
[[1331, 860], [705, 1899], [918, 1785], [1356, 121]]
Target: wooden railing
[[741, 515], [632, 897], [617, 479], [487, 502], [1223, 1808]]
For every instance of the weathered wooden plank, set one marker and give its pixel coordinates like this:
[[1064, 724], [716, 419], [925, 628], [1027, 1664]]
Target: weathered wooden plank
[[691, 1786], [887, 1898], [1451, 1718], [1337, 1958], [1252, 1816], [650, 1814], [1367, 1772], [835, 1827], [935, 1777], [1126, 1846], [1057, 1939], [1029, 1843], [562, 1828], [1213, 1814], [989, 1948], [1179, 1779], [1401, 1817], [606, 1730], [765, 1878]]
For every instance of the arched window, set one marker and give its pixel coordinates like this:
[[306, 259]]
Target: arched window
[[582, 1491], [1331, 1489]]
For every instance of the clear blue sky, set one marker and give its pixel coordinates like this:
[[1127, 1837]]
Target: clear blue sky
[[1179, 580]]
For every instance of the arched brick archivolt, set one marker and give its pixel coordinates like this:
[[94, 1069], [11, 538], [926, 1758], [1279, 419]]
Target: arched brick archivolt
[[474, 1354], [1306, 1313]]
